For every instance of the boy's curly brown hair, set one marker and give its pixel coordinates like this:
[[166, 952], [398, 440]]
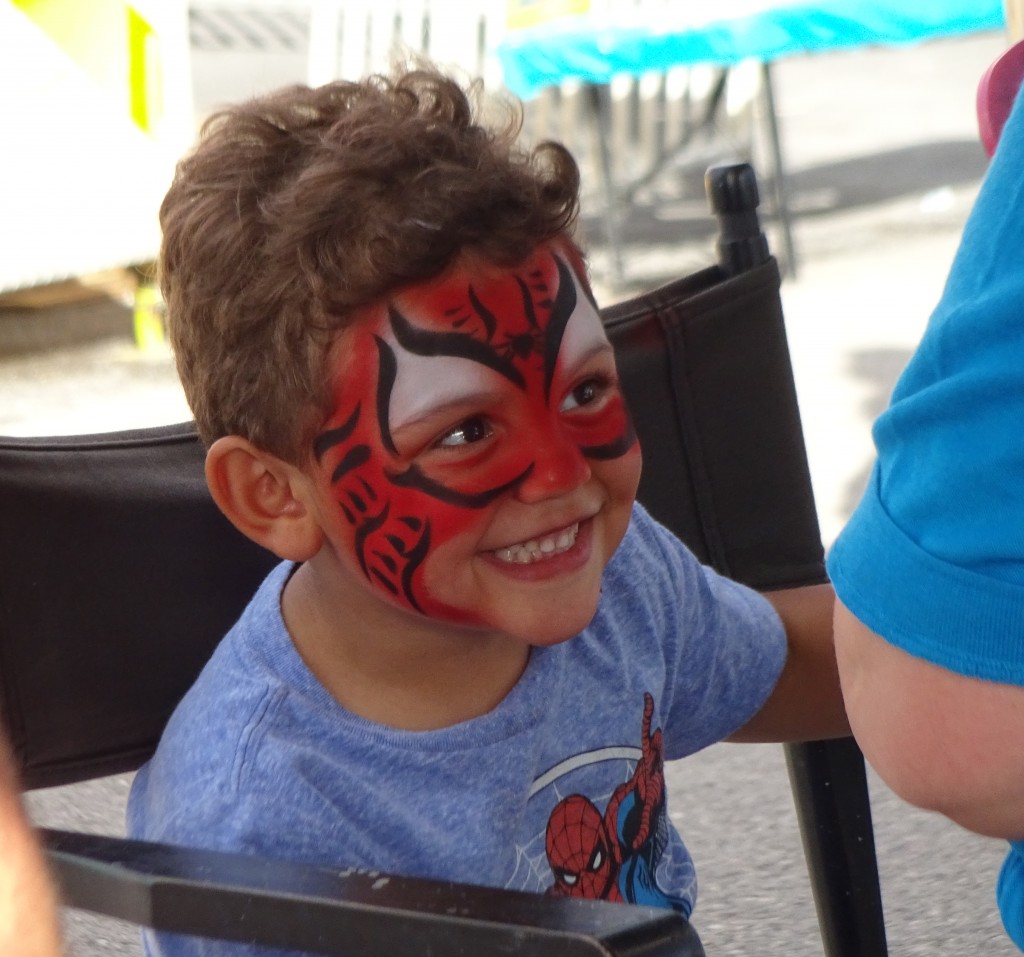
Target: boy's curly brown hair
[[299, 208]]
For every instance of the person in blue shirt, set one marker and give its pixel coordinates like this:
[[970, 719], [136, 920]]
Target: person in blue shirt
[[929, 571]]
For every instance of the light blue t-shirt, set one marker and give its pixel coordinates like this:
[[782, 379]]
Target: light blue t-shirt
[[260, 758], [933, 557]]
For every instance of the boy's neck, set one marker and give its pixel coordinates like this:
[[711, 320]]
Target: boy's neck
[[394, 669]]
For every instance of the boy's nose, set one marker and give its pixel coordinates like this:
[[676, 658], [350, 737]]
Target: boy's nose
[[558, 466]]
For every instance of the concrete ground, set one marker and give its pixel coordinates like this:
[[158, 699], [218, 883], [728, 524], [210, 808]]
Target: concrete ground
[[884, 164]]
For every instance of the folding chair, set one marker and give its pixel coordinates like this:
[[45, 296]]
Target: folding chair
[[705, 364], [118, 576]]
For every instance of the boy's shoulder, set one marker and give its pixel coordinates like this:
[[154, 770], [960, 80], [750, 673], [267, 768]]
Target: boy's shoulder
[[218, 722], [653, 552], [255, 657], [655, 586], [649, 589]]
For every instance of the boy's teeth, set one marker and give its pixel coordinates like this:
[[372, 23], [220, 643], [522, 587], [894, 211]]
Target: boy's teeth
[[539, 548]]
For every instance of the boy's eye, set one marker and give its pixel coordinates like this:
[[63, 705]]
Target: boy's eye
[[587, 392], [467, 432]]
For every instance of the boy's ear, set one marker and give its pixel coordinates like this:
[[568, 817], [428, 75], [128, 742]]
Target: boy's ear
[[261, 495]]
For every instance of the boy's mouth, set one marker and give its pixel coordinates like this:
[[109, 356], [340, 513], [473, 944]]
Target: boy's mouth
[[539, 549]]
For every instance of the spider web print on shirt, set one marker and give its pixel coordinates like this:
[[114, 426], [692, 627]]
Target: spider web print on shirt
[[532, 872]]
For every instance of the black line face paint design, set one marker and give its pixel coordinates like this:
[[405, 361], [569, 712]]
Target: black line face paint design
[[327, 440], [612, 450], [561, 311], [462, 345], [467, 346], [415, 557], [393, 569], [413, 478], [387, 370], [486, 316], [354, 457], [391, 515], [369, 525]]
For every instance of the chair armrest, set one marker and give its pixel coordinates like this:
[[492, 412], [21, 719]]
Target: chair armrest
[[278, 903]]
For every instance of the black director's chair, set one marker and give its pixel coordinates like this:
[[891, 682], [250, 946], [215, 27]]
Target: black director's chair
[[118, 576]]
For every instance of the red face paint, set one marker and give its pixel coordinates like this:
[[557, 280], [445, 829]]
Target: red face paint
[[455, 397]]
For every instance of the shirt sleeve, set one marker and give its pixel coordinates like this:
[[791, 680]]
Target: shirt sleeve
[[723, 644], [933, 557]]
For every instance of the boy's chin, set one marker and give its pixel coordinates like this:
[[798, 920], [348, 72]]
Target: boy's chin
[[534, 616], [543, 628], [550, 633]]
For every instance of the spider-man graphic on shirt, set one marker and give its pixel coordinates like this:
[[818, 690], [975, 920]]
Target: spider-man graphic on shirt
[[614, 856]]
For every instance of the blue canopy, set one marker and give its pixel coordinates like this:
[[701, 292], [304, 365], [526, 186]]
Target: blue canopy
[[595, 48]]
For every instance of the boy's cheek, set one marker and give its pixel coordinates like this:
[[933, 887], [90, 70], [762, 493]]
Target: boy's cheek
[[400, 561], [606, 436], [475, 482], [609, 435], [389, 527], [391, 543]]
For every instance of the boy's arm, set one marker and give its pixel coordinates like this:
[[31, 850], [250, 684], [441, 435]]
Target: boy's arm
[[940, 740], [28, 916], [806, 704]]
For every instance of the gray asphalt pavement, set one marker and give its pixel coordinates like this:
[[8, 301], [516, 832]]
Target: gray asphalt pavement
[[884, 163]]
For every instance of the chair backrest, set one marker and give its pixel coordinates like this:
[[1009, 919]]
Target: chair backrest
[[705, 365], [118, 576]]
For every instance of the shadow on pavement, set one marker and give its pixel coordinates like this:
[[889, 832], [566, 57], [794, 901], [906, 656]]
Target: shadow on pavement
[[675, 211], [889, 175]]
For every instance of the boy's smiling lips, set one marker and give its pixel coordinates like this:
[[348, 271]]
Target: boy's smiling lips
[[538, 548], [562, 547]]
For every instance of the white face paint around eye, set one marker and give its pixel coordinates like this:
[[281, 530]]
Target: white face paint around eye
[[584, 334], [425, 386]]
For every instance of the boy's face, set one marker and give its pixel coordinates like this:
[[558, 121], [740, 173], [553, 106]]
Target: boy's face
[[480, 465]]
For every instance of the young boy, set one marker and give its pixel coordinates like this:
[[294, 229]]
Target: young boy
[[478, 651]]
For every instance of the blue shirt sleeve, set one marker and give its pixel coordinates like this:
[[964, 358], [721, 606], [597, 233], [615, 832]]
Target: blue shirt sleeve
[[723, 645], [933, 557]]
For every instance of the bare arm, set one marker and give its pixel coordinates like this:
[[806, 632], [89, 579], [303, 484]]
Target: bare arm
[[806, 704], [940, 740], [28, 921]]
